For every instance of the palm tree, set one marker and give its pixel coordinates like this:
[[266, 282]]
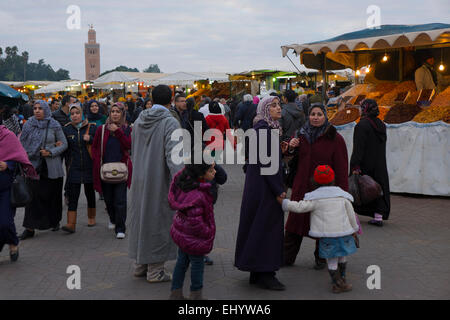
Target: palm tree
[[25, 62]]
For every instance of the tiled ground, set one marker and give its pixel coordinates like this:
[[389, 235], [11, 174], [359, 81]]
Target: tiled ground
[[412, 250]]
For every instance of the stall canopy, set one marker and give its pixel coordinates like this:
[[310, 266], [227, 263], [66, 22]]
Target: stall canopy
[[178, 78], [58, 86], [113, 78], [340, 51]]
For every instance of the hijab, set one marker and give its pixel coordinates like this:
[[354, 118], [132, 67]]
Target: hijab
[[369, 108], [82, 122], [263, 113], [310, 132], [122, 120], [93, 116], [12, 150], [34, 130]]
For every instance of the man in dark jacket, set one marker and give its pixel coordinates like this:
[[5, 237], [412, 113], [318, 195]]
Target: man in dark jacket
[[193, 117], [246, 112], [62, 114], [292, 117]]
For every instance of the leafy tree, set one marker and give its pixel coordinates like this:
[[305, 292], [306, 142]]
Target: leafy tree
[[15, 67], [120, 68], [153, 68]]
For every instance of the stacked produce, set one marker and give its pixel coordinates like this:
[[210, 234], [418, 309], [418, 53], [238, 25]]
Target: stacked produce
[[432, 114], [345, 116], [331, 111], [384, 88], [402, 113], [389, 98], [442, 99]]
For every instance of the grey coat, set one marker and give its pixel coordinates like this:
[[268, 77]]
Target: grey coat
[[153, 170], [54, 162], [292, 119]]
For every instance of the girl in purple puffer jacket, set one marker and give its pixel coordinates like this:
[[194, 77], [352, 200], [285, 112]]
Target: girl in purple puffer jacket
[[193, 227]]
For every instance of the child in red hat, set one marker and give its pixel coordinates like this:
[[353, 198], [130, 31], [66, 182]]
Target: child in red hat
[[332, 220]]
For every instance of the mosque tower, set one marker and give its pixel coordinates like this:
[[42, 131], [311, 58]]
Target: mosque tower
[[92, 56]]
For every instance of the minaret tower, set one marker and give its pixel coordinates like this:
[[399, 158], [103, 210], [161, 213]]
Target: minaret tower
[[92, 55]]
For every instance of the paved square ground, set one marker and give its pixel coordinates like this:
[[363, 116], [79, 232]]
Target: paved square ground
[[412, 251]]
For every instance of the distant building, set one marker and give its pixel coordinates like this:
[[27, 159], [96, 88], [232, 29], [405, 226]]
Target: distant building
[[92, 56]]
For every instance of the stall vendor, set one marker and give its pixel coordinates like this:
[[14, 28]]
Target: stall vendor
[[425, 76]]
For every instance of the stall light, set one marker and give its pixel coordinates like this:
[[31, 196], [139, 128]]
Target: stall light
[[385, 57], [92, 90], [441, 66], [358, 72], [274, 79], [246, 84]]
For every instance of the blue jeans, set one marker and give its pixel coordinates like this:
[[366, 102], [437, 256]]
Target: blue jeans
[[197, 267]]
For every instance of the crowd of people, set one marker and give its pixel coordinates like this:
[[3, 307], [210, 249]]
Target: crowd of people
[[110, 147]]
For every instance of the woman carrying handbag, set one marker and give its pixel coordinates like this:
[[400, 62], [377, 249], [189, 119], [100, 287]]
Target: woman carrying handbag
[[112, 142], [12, 155]]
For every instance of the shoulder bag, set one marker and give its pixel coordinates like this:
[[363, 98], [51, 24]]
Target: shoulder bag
[[21, 194], [113, 172]]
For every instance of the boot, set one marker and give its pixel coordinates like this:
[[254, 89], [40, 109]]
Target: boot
[[197, 295], [71, 222], [91, 217], [342, 269], [177, 294], [338, 284]]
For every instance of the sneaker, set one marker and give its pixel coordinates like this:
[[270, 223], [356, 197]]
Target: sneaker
[[111, 226], [162, 276], [208, 261], [120, 235]]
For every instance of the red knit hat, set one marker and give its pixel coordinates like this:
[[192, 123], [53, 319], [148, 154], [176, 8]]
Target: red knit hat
[[323, 174]]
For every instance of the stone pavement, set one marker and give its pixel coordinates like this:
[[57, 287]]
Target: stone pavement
[[412, 251]]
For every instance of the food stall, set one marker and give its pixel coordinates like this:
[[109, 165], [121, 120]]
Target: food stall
[[418, 121]]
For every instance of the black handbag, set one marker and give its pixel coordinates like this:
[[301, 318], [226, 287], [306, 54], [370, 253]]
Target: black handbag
[[21, 194]]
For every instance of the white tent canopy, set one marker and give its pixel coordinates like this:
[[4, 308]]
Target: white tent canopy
[[384, 41], [58, 86], [178, 78], [115, 77]]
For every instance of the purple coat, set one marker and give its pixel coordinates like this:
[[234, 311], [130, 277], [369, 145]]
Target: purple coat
[[193, 227]]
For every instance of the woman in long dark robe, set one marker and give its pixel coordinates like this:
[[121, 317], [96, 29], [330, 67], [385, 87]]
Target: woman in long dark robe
[[259, 244], [369, 158]]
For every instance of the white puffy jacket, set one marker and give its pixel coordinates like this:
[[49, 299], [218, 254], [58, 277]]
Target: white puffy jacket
[[332, 213]]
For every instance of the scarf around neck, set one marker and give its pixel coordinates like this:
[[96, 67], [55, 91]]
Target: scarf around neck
[[312, 133]]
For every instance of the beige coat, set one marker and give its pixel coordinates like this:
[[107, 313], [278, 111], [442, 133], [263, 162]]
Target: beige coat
[[332, 212], [424, 79]]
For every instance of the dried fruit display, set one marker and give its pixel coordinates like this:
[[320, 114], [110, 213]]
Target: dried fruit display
[[383, 111], [357, 90], [389, 98], [384, 88], [331, 111], [432, 114], [402, 113], [442, 99], [345, 116], [412, 98]]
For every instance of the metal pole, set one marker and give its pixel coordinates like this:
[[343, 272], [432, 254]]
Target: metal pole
[[324, 76]]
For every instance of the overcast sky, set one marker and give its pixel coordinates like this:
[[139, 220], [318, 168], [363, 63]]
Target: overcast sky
[[193, 35]]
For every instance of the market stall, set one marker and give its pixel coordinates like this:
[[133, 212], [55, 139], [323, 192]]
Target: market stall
[[418, 150]]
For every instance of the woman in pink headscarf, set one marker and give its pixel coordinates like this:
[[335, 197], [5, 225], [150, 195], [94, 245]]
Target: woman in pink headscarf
[[11, 155]]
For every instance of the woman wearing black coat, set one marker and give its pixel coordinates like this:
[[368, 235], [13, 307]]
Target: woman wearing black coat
[[80, 134], [369, 158]]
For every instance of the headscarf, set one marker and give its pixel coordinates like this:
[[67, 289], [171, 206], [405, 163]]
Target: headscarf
[[263, 113], [369, 108], [255, 100], [34, 130], [93, 116], [82, 122], [12, 150], [122, 118], [310, 132]]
